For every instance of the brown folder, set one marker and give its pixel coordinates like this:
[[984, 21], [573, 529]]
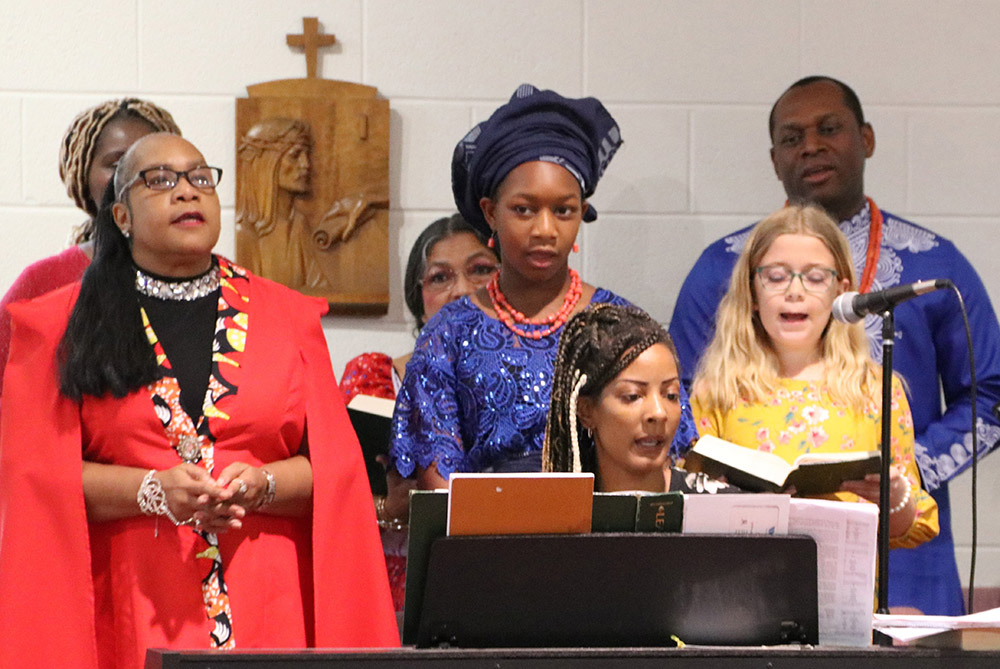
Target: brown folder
[[521, 503]]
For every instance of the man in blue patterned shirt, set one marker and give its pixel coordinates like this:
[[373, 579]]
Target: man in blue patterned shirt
[[820, 142]]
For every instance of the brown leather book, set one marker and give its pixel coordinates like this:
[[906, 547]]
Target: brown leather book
[[521, 503]]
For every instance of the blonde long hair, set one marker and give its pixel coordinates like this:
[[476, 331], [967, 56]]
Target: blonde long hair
[[740, 363]]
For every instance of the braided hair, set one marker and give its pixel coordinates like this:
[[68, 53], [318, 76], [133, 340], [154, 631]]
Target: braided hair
[[596, 345], [76, 152]]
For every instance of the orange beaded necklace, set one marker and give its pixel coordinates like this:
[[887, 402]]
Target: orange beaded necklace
[[508, 315], [874, 248]]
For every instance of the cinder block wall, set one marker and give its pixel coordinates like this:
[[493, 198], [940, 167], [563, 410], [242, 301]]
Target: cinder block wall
[[690, 83]]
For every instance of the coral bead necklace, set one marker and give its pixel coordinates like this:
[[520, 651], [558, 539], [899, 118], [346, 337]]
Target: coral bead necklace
[[508, 315]]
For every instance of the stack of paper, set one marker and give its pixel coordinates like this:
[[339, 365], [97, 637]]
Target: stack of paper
[[976, 631]]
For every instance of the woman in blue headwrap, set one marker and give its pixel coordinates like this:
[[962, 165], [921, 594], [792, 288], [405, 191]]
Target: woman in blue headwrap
[[477, 389]]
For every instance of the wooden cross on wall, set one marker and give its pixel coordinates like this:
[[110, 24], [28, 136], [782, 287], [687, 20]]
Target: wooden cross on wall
[[310, 41]]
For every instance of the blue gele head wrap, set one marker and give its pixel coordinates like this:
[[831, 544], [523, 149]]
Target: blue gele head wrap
[[578, 134]]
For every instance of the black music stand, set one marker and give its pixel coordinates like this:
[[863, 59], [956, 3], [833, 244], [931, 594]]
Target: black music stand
[[603, 590]]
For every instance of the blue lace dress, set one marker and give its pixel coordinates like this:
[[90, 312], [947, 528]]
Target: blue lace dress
[[475, 396]]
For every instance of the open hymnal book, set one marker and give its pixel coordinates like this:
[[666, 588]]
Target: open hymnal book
[[809, 474]]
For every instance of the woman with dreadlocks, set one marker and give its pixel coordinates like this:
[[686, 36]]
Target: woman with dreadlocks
[[94, 142], [616, 403]]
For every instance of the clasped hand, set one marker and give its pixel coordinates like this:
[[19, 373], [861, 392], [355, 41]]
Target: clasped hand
[[213, 504]]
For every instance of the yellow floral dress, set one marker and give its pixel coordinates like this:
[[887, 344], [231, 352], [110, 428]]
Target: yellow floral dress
[[801, 418]]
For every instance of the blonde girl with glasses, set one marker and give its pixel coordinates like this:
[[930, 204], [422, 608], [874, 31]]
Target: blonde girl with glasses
[[781, 376]]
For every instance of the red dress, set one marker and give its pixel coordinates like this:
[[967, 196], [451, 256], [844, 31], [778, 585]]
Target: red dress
[[103, 593], [371, 374]]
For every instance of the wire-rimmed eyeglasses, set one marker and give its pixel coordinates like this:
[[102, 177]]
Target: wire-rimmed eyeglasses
[[442, 278], [778, 278]]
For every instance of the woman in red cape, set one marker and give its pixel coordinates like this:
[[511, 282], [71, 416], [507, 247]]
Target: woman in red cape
[[240, 521]]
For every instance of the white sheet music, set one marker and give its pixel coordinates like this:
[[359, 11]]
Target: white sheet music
[[736, 514], [846, 536]]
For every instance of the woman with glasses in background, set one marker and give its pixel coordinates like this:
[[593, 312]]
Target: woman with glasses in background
[[448, 260], [781, 376], [204, 513]]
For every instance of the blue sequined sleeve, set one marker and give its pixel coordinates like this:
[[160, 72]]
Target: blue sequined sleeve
[[475, 396], [425, 426]]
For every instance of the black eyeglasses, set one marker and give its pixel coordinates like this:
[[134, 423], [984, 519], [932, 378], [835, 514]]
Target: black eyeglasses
[[163, 178]]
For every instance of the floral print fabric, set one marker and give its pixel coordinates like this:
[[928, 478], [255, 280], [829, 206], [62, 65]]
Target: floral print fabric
[[802, 418]]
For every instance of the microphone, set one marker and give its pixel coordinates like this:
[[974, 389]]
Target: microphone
[[852, 307]]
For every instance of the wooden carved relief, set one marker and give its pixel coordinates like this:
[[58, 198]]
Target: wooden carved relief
[[312, 190]]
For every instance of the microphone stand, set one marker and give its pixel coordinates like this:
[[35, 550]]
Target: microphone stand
[[888, 339]]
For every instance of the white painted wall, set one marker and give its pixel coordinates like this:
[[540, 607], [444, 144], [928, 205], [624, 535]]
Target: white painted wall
[[690, 82]]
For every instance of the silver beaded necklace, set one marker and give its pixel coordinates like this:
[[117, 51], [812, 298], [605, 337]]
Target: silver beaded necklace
[[191, 289]]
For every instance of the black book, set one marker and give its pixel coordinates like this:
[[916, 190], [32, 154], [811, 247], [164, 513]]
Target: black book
[[637, 511], [809, 474], [371, 418]]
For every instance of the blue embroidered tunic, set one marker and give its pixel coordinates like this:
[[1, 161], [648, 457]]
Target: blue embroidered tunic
[[476, 396], [930, 353]]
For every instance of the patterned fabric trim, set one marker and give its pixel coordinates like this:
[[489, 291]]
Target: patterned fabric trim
[[183, 434]]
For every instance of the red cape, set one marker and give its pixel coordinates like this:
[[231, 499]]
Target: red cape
[[53, 603]]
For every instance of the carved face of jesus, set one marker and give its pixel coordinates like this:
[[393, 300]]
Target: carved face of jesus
[[293, 170]]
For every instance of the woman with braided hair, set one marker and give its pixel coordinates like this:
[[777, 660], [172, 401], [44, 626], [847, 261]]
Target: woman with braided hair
[[90, 149], [616, 403]]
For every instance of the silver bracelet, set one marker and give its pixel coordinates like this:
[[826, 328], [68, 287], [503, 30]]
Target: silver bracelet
[[902, 503], [153, 500], [271, 489]]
